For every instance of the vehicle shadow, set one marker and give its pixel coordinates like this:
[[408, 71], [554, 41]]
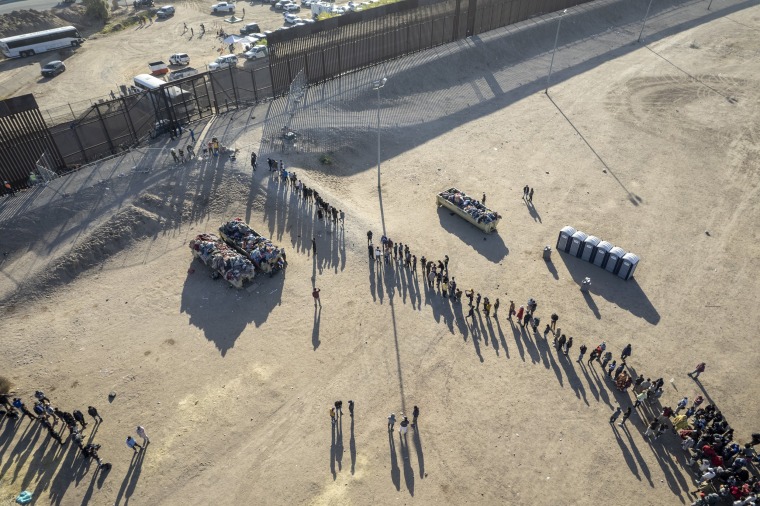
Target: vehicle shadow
[[491, 246]]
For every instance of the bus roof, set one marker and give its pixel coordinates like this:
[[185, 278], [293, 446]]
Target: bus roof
[[43, 32], [148, 80]]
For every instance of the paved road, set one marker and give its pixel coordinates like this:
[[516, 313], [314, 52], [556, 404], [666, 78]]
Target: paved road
[[7, 6]]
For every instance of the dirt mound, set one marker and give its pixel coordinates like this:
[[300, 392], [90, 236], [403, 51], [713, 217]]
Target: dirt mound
[[113, 236], [26, 21]]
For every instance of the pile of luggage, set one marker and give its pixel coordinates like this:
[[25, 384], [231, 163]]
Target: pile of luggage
[[264, 255], [228, 263]]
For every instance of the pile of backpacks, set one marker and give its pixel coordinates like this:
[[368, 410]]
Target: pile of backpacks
[[264, 255], [479, 212], [228, 263]]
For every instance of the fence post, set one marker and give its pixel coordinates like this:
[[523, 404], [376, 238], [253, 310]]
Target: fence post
[[133, 131], [214, 105], [234, 88], [79, 142], [105, 129], [253, 81]]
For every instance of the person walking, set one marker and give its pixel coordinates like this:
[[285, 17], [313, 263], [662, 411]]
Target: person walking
[[606, 359], [561, 342], [79, 417], [94, 413], [593, 356], [626, 416], [415, 415], [626, 353], [568, 345], [520, 313], [616, 414], [315, 294], [191, 152], [253, 161], [141, 432], [698, 370], [351, 408], [583, 349], [554, 319], [511, 309], [174, 155], [611, 368], [470, 313], [403, 426], [369, 237], [131, 443], [391, 421], [525, 192]]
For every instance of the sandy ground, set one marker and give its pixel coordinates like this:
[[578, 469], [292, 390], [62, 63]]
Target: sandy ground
[[106, 61], [234, 386]]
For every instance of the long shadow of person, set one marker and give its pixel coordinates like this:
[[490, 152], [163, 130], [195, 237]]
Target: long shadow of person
[[626, 453], [333, 448], [352, 447], [476, 338], [136, 471], [501, 336], [408, 471], [518, 342], [339, 442], [395, 471], [637, 454], [418, 448], [315, 329], [372, 280]]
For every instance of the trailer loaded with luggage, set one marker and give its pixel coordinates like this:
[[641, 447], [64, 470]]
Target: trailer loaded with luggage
[[264, 255], [469, 209]]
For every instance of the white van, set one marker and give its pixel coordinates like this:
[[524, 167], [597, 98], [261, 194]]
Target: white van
[[256, 52]]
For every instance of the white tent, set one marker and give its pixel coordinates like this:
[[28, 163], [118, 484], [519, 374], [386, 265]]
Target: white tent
[[232, 39]]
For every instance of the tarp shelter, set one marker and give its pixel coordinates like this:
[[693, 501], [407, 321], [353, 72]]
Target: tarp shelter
[[602, 251], [628, 266], [563, 241], [576, 243], [589, 248], [233, 39], [614, 258]]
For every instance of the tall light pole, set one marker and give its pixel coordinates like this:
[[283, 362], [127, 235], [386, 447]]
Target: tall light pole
[[556, 39], [377, 85], [645, 19], [709, 5]]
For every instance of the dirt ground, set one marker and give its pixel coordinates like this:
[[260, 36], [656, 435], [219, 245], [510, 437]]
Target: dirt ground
[[104, 62], [654, 148]]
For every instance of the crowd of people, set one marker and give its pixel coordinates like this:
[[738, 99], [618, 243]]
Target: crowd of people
[[72, 424]]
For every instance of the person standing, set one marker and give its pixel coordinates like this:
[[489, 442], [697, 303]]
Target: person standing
[[94, 413], [253, 160], [626, 415], [339, 407], [496, 308], [315, 294], [351, 408], [79, 417], [525, 192], [141, 432], [415, 415], [698, 370], [583, 349], [369, 237], [568, 345], [131, 443], [520, 313], [333, 415], [611, 368], [511, 309], [530, 195], [615, 415], [561, 342], [606, 359], [391, 421], [192, 135], [484, 199], [626, 353], [470, 313], [593, 356], [554, 319], [619, 370], [477, 302], [404, 426]]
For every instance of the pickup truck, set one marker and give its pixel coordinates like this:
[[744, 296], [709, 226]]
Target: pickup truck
[[182, 73], [223, 7], [158, 68], [468, 209]]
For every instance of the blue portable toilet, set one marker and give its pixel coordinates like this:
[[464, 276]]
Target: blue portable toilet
[[614, 259], [601, 254], [576, 243], [563, 241], [589, 248], [628, 266]]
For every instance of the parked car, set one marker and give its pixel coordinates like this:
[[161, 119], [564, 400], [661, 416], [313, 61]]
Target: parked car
[[142, 3], [291, 8], [250, 28], [279, 6], [291, 19], [179, 59], [223, 7], [228, 60], [256, 52], [53, 68], [306, 3], [166, 11]]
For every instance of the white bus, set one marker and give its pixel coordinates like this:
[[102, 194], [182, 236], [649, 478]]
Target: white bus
[[39, 42], [176, 95]]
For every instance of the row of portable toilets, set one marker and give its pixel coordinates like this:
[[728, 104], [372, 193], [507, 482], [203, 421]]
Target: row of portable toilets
[[600, 253]]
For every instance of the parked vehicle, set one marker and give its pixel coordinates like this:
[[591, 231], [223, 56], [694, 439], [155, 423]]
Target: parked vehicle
[[250, 28], [223, 7], [30, 44], [257, 52], [279, 6], [179, 59], [142, 3], [468, 209], [291, 18], [53, 68], [306, 3], [166, 11], [227, 60], [182, 73], [158, 68], [291, 8]]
